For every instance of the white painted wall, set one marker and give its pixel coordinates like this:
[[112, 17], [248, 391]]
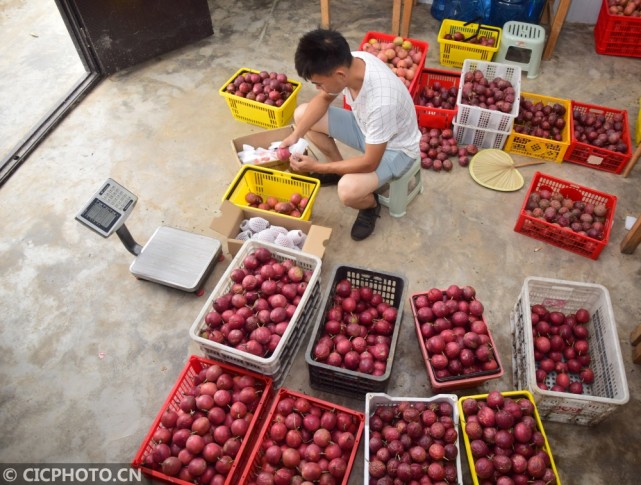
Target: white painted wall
[[581, 11]]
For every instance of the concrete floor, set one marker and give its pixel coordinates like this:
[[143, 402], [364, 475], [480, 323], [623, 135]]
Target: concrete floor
[[88, 353], [38, 52]]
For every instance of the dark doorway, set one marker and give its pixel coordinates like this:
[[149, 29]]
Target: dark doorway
[[125, 33]]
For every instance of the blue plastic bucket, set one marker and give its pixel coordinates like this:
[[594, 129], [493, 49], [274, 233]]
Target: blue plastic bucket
[[502, 11], [465, 10]]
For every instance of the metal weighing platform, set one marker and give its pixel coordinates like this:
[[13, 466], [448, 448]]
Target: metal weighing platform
[[171, 257]]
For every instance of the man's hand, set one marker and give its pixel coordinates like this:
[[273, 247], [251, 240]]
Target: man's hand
[[289, 141], [303, 163]]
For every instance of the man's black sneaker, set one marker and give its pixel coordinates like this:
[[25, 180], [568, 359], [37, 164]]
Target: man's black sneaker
[[365, 221], [325, 178]]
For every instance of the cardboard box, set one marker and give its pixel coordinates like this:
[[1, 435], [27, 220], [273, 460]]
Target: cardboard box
[[228, 225], [263, 139]]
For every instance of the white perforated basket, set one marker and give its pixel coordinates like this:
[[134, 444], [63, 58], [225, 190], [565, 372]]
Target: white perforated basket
[[278, 363], [481, 138], [374, 400], [610, 388], [474, 116]]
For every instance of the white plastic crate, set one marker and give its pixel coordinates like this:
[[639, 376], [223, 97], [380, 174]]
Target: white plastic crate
[[374, 400], [299, 333], [610, 388], [474, 116], [481, 138], [278, 363]]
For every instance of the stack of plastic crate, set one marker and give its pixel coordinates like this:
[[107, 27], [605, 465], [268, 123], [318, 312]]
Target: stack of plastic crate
[[484, 127]]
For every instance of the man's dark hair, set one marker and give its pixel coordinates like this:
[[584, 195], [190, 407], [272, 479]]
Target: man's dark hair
[[321, 51]]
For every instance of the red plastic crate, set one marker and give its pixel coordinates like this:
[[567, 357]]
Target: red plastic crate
[[617, 35], [435, 117], [422, 46], [454, 382], [419, 45], [184, 383], [253, 465], [563, 237], [595, 157]]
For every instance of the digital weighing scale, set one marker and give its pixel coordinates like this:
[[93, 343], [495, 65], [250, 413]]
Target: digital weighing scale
[[171, 257]]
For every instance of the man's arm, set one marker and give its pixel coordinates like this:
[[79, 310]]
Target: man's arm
[[316, 109], [366, 163]]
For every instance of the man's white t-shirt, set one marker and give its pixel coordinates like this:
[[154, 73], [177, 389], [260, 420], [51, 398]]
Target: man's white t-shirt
[[384, 109]]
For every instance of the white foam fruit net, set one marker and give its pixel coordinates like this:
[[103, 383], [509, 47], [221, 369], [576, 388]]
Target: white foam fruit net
[[280, 230], [266, 235], [259, 229], [257, 224], [283, 240], [244, 235], [296, 236]]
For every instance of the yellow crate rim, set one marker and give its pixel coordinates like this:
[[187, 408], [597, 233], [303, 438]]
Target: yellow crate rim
[[297, 86], [483, 397], [239, 178], [447, 24], [564, 144]]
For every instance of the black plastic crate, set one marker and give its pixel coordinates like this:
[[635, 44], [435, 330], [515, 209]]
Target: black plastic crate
[[342, 381]]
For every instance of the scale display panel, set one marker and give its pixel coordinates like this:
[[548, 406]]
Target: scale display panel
[[108, 209]]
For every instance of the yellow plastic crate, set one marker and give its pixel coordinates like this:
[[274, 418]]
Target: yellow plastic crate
[[269, 182], [256, 113], [453, 53], [514, 395], [542, 148]]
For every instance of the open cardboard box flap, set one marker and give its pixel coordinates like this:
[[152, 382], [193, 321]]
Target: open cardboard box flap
[[227, 223]]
